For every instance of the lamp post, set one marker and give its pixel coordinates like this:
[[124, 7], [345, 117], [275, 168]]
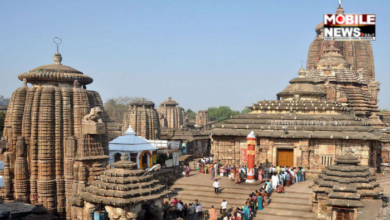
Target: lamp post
[[251, 152]]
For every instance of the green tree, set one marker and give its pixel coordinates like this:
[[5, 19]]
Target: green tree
[[2, 118], [221, 113], [191, 114], [245, 111]]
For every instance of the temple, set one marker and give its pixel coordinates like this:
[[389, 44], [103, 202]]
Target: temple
[[330, 109], [202, 120], [171, 114], [143, 118], [53, 130], [302, 129], [345, 70]]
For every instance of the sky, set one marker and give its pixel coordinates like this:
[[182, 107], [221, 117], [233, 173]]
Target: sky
[[203, 53]]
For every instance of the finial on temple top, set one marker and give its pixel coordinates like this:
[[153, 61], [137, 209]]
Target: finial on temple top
[[57, 41], [302, 61]]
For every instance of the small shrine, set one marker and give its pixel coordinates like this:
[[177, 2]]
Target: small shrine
[[124, 192], [138, 149], [340, 189]]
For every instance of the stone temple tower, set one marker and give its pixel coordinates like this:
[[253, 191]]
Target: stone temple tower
[[143, 118], [171, 114], [202, 119], [52, 128], [346, 71]]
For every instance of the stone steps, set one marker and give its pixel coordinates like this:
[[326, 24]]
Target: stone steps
[[294, 204], [227, 195]]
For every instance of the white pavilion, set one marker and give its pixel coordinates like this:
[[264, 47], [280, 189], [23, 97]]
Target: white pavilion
[[139, 149]]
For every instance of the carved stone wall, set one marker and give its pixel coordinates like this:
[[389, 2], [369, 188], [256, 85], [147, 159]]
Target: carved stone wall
[[308, 153]]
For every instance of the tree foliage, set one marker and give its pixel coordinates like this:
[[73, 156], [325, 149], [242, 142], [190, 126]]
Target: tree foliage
[[191, 114], [221, 113], [116, 107], [245, 111], [2, 118]]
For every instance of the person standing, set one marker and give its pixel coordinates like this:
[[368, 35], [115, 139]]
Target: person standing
[[247, 212], [179, 209], [238, 176], [223, 206], [191, 211], [216, 187], [303, 174], [260, 202], [275, 181], [287, 178], [187, 170], [213, 213], [281, 178], [299, 175], [260, 175], [278, 170], [212, 174], [198, 211]]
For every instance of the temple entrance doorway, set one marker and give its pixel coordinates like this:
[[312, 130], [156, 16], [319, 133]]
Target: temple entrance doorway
[[117, 157], [285, 157]]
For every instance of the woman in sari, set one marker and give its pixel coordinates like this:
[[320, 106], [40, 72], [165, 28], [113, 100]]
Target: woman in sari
[[265, 198], [222, 170], [232, 173], [187, 170], [246, 211], [260, 175], [212, 171], [242, 174], [201, 168], [237, 176], [260, 202]]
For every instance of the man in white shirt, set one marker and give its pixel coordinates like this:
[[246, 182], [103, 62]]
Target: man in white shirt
[[216, 187], [223, 206], [198, 211]]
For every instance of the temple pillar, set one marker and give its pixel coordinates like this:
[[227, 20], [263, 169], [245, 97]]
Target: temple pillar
[[251, 152]]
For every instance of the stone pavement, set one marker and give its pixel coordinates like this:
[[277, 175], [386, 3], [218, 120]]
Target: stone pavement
[[294, 204]]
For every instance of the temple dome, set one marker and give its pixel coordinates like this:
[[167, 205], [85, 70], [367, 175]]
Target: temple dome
[[55, 73], [169, 101], [302, 87]]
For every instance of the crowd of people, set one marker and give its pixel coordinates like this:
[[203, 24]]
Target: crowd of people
[[274, 177], [279, 175], [177, 209]]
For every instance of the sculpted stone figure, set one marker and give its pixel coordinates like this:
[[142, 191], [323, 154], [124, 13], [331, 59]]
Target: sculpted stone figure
[[94, 115]]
